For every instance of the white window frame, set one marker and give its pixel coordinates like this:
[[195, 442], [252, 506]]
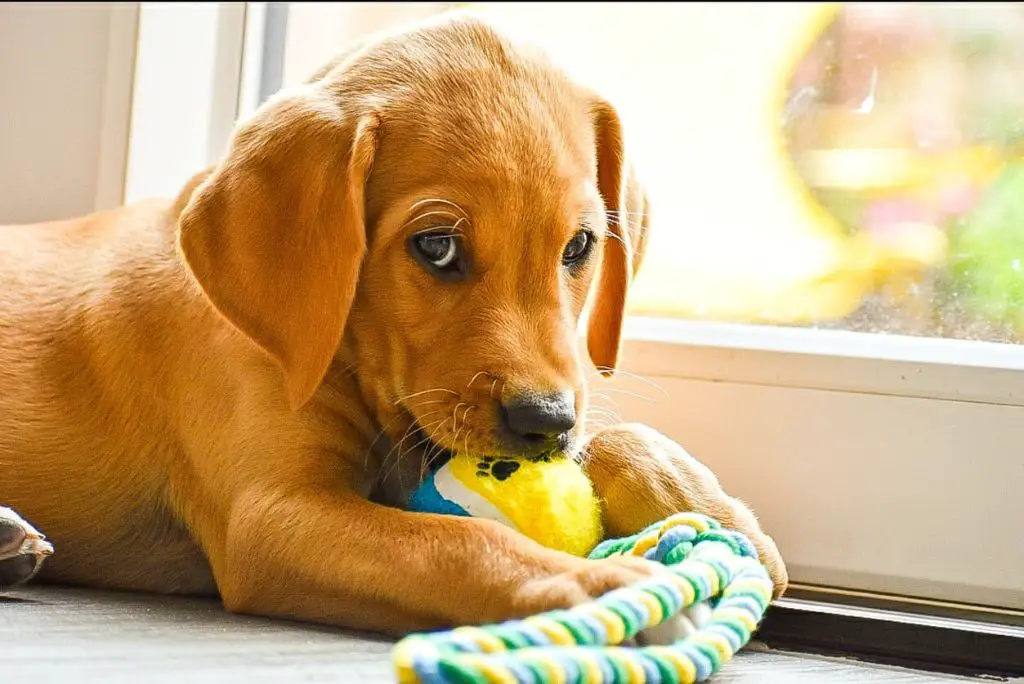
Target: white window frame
[[849, 408], [115, 118]]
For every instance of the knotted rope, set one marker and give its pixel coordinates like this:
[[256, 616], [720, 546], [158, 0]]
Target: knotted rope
[[581, 645]]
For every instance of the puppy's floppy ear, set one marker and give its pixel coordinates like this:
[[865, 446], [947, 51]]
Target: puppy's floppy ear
[[275, 235], [626, 205]]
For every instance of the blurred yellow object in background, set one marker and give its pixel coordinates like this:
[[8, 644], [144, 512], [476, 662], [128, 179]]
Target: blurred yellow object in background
[[736, 233]]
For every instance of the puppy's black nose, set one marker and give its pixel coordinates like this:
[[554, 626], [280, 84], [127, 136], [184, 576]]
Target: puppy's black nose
[[539, 419]]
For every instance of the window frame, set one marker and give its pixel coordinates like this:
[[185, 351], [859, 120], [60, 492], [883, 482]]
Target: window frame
[[115, 118], [223, 77], [184, 101]]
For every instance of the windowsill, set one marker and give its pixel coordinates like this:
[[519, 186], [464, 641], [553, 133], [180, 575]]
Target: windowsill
[[890, 634], [834, 360], [878, 346], [968, 617]]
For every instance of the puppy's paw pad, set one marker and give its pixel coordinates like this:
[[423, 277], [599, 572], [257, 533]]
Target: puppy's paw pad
[[22, 549], [11, 537]]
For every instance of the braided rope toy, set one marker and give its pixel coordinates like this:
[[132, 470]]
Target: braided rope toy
[[581, 645]]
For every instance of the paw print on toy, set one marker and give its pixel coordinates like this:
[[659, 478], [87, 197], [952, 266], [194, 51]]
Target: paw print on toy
[[503, 468], [500, 469]]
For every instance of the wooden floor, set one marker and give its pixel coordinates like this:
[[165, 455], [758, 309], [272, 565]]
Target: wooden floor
[[74, 636]]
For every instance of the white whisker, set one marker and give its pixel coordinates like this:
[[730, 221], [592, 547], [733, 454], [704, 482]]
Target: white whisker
[[438, 200], [455, 412], [605, 414], [613, 415], [453, 229], [428, 403], [455, 439], [427, 214], [613, 236], [635, 376], [614, 212], [397, 460], [369, 449], [598, 425], [627, 393], [421, 393], [602, 395]]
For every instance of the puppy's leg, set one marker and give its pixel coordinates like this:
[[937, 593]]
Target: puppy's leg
[[319, 554], [22, 549], [643, 476]]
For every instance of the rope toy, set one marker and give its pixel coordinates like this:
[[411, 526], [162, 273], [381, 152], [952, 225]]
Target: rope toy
[[582, 645]]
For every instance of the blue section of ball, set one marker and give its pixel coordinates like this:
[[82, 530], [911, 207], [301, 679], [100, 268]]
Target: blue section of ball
[[426, 499]]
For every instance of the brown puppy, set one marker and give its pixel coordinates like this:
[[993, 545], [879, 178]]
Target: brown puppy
[[212, 394]]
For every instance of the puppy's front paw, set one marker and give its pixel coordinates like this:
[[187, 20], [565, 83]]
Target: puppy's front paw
[[22, 549], [642, 476], [594, 578], [584, 581]]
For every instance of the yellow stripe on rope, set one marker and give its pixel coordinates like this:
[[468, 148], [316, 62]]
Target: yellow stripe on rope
[[714, 581], [686, 589], [556, 675], [407, 675], [487, 642], [495, 674], [698, 523], [644, 543], [755, 585], [557, 632], [403, 659], [612, 623], [594, 674], [684, 667], [653, 605], [716, 641], [634, 671], [737, 614]]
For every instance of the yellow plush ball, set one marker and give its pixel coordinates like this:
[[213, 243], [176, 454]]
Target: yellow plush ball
[[548, 499]]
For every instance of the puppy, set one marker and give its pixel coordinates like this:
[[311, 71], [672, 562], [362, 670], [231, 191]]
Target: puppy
[[230, 392]]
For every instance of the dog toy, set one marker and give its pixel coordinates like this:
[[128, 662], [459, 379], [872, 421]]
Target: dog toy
[[547, 498], [709, 569]]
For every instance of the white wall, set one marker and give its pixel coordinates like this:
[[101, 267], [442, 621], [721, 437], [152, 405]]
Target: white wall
[[319, 30], [65, 84]]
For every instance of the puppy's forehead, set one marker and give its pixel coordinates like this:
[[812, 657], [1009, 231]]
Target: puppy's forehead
[[461, 102]]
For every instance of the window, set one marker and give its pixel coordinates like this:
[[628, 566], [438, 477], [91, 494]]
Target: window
[[830, 312]]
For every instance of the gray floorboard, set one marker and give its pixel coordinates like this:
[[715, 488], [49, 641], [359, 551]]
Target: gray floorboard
[[73, 636]]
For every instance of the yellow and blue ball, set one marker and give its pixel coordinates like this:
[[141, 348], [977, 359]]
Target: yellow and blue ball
[[548, 499]]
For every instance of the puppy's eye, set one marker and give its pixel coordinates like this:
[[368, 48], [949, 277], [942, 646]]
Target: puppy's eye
[[578, 248], [439, 250]]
